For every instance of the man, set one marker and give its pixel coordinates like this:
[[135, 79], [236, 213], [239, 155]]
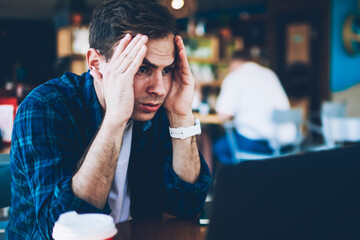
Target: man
[[249, 95], [100, 142]]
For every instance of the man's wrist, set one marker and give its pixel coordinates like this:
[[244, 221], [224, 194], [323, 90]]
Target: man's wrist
[[114, 123], [177, 120], [185, 132]]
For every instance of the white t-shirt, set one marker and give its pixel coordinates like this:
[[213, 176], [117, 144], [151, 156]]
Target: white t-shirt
[[119, 197], [251, 94]]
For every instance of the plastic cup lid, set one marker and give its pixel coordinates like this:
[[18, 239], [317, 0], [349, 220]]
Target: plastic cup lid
[[89, 226]]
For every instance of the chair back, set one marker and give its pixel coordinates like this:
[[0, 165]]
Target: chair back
[[4, 159], [5, 181], [333, 109], [330, 111], [343, 129], [281, 117], [287, 116], [238, 154]]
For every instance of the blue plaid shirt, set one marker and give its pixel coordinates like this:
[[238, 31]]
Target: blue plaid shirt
[[53, 127]]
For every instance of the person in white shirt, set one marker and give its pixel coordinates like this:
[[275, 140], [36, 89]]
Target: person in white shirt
[[249, 95]]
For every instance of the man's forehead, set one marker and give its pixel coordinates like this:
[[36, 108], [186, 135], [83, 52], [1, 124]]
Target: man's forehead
[[161, 51], [158, 62], [162, 47]]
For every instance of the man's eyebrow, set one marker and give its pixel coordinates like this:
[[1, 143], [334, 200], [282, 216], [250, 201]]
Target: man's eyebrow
[[147, 62]]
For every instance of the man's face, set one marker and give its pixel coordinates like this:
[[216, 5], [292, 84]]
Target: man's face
[[153, 80]]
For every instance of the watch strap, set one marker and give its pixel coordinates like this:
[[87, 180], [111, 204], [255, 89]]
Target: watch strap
[[185, 132]]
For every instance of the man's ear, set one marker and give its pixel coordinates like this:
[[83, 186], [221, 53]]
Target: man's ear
[[94, 59]]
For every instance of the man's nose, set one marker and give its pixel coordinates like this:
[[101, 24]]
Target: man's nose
[[156, 86]]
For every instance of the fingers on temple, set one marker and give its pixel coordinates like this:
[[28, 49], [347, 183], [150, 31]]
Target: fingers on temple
[[121, 46], [179, 42], [136, 63], [130, 52], [182, 54]]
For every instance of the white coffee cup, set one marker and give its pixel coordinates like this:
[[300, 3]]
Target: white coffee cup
[[89, 226]]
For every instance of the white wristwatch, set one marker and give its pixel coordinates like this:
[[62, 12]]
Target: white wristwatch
[[185, 132]]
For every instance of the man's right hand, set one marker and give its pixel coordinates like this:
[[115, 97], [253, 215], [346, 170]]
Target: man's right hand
[[93, 180], [117, 77]]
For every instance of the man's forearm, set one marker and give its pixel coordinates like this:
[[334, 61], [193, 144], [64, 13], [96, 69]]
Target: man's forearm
[[93, 180], [186, 159]]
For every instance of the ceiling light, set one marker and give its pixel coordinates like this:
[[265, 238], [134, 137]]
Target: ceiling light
[[177, 4]]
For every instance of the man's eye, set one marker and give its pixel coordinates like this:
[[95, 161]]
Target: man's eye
[[143, 69], [168, 70]]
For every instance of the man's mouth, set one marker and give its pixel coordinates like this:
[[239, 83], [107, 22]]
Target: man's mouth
[[150, 107]]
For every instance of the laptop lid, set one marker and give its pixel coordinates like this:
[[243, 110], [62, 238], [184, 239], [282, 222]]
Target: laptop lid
[[309, 196]]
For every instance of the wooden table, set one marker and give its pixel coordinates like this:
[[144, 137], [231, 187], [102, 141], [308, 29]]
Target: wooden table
[[158, 229], [211, 118]]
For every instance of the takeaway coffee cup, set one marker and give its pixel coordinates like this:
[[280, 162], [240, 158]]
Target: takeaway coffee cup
[[89, 226]]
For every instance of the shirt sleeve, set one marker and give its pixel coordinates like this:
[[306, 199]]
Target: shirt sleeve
[[44, 157], [185, 199]]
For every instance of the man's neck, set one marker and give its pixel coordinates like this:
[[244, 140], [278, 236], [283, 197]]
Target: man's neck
[[236, 64]]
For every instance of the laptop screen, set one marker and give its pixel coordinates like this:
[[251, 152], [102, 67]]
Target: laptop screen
[[308, 196]]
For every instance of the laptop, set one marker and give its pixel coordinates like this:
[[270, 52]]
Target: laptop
[[308, 196]]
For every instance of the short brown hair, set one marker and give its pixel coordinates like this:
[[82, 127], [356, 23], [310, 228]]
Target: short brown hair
[[113, 19], [242, 55]]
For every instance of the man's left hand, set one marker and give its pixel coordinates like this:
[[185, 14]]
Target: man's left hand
[[179, 100]]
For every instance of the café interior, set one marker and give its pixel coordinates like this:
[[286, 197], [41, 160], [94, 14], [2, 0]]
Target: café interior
[[312, 46]]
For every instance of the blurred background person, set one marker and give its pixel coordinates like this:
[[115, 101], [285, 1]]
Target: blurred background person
[[249, 95]]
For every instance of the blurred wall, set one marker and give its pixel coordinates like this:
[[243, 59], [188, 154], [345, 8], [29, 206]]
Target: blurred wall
[[352, 97], [30, 44], [344, 68]]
